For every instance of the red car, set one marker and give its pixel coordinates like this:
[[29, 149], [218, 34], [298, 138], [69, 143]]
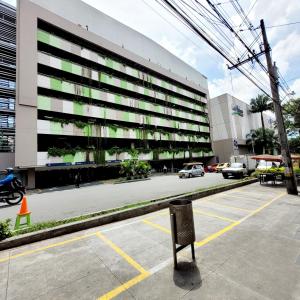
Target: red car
[[212, 168]]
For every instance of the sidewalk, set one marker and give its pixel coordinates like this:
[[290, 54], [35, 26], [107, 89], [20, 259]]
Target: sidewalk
[[248, 247]]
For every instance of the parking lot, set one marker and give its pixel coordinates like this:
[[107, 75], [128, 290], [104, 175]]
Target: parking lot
[[247, 247]]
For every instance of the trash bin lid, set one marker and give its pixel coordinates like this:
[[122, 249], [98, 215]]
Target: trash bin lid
[[180, 202]]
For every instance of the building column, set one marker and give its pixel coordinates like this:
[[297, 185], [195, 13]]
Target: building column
[[31, 178]]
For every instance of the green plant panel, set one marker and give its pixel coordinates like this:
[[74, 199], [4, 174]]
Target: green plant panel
[[103, 77], [66, 66], [95, 94], [112, 132], [43, 37], [87, 130], [109, 63], [146, 92], [44, 103], [78, 108], [123, 84], [56, 128], [54, 41], [76, 69], [68, 158], [86, 91], [118, 99], [142, 105], [125, 116], [55, 84]]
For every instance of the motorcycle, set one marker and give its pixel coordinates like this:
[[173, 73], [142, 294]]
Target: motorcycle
[[13, 193]]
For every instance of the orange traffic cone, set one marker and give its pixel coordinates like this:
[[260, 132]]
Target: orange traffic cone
[[24, 212], [24, 208]]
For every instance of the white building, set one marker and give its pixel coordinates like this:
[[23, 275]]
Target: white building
[[230, 121]]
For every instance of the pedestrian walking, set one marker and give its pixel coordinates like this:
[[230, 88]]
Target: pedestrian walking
[[77, 180], [165, 169]]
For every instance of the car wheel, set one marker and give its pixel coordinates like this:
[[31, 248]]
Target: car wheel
[[202, 174], [190, 175], [225, 175]]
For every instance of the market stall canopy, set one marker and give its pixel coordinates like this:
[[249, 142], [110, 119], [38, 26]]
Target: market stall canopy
[[278, 158]]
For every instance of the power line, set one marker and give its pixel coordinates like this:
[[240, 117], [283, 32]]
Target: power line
[[281, 25]]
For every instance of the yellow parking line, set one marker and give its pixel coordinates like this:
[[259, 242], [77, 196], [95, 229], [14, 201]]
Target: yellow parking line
[[231, 226], [237, 196], [217, 234], [47, 247], [144, 274], [115, 292], [201, 212], [121, 253], [146, 221], [230, 206]]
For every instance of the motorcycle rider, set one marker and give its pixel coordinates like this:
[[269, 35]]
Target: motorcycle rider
[[9, 178]]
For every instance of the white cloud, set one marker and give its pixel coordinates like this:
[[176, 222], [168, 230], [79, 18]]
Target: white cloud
[[295, 86], [238, 86], [187, 54], [286, 51]]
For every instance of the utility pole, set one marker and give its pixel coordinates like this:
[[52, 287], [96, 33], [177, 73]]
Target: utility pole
[[291, 184]]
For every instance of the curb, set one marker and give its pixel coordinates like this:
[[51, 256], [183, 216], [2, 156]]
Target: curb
[[44, 234]]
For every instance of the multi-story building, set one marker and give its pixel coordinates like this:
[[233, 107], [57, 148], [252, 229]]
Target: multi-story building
[[231, 121], [7, 84], [91, 89]]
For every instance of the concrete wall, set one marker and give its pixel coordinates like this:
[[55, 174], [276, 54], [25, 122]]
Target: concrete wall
[[7, 160], [110, 29]]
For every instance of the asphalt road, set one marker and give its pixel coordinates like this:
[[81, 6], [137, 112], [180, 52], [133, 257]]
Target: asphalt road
[[62, 204]]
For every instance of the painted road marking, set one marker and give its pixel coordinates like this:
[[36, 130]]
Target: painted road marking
[[230, 206], [162, 228], [231, 226], [125, 286], [47, 247], [208, 214]]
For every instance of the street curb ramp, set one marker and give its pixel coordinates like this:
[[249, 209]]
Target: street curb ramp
[[112, 217]]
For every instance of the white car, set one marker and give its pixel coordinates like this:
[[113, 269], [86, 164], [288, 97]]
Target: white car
[[237, 170], [191, 170]]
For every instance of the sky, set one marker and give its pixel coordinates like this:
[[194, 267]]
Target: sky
[[150, 19]]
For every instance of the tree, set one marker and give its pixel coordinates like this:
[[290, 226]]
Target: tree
[[261, 140], [291, 114], [294, 144], [258, 105]]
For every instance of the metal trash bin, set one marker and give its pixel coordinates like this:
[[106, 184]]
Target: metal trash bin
[[182, 226]]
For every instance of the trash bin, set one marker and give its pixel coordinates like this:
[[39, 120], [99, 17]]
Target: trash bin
[[182, 226]]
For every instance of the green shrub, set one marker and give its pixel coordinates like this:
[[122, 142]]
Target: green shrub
[[5, 231]]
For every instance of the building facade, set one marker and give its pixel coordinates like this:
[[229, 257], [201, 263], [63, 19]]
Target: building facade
[[230, 121], [85, 100], [7, 84]]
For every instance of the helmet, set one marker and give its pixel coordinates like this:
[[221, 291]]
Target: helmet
[[9, 170]]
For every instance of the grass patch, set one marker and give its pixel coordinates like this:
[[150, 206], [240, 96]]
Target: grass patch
[[52, 223]]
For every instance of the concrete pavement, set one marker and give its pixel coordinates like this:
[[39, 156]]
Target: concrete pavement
[[247, 247], [62, 204]]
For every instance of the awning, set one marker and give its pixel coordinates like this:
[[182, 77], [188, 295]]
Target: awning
[[269, 157]]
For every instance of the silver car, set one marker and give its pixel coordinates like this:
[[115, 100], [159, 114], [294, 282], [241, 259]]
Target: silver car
[[191, 170]]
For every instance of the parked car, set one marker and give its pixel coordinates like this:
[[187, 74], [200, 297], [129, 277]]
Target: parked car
[[221, 166], [212, 168], [237, 170], [191, 170]]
